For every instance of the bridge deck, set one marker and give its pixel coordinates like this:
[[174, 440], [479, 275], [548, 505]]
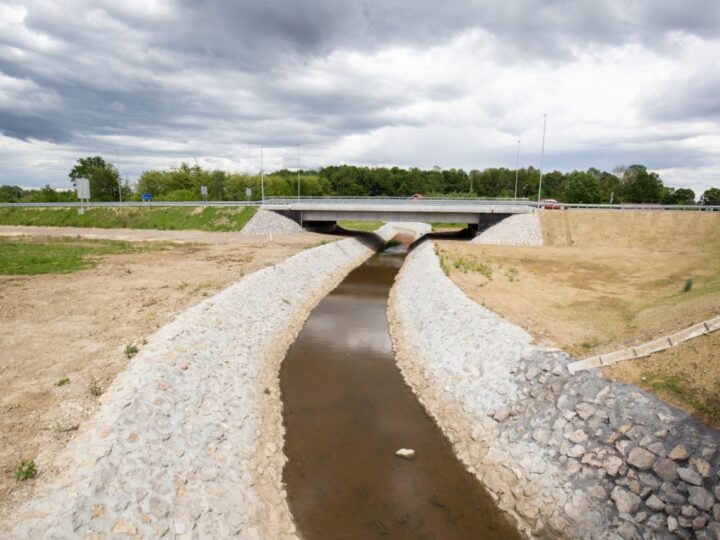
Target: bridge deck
[[393, 210]]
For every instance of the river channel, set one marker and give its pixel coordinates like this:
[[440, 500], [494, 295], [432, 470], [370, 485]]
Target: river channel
[[347, 410]]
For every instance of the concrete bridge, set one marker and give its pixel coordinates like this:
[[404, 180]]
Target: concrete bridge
[[473, 212]]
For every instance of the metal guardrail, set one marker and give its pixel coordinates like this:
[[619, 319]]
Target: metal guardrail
[[130, 204], [286, 201], [270, 201], [648, 207]]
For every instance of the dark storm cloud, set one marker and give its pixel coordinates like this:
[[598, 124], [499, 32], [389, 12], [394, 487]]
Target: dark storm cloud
[[26, 127], [113, 57]]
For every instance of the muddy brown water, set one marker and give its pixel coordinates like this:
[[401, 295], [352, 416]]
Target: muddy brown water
[[347, 410]]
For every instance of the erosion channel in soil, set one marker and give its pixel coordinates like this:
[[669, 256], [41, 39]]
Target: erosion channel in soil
[[347, 410]]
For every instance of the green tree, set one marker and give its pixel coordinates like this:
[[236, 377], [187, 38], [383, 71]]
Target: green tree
[[10, 193], [103, 177], [641, 186], [679, 196], [580, 187], [711, 197]]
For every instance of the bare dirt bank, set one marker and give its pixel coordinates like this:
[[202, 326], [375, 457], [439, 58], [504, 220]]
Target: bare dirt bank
[[77, 326], [604, 281]]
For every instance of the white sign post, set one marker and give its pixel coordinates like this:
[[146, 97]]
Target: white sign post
[[203, 193], [83, 192], [248, 193]]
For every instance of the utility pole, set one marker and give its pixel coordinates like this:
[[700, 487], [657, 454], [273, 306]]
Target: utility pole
[[298, 171], [517, 167], [117, 159], [542, 158], [262, 177]]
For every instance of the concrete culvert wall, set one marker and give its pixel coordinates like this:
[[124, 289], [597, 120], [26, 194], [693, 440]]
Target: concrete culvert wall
[[188, 441], [515, 230], [266, 222], [566, 456]]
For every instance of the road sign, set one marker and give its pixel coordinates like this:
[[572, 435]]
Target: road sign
[[203, 190], [146, 197], [83, 192], [83, 188], [248, 193]]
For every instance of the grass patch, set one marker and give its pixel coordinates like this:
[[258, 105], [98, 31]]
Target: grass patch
[[209, 218], [32, 256], [675, 386], [26, 470], [512, 274], [95, 389], [443, 261], [63, 382], [466, 265], [367, 226], [130, 351], [442, 226], [688, 284]]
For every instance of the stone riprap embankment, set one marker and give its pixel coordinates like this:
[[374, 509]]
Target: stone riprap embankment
[[266, 222], [516, 230], [573, 456], [188, 441]]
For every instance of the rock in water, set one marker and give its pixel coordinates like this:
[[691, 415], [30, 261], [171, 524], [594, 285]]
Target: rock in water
[[407, 453]]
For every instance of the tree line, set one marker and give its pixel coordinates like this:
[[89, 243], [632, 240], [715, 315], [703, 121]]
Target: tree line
[[633, 184]]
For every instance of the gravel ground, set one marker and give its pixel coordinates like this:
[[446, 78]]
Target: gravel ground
[[516, 230], [188, 441], [266, 222], [574, 456]]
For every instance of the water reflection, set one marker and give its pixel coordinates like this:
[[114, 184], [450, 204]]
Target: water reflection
[[347, 410]]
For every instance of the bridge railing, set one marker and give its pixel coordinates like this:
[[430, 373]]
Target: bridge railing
[[450, 201], [460, 201], [130, 204]]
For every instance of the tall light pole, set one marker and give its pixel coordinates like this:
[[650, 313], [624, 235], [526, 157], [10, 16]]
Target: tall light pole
[[262, 176], [117, 158], [298, 171], [542, 158], [517, 168]]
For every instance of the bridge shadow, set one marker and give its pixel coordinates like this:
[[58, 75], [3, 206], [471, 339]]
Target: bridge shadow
[[369, 239], [462, 234]]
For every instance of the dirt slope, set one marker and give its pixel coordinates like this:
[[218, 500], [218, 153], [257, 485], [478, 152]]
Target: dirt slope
[[78, 325], [603, 280]]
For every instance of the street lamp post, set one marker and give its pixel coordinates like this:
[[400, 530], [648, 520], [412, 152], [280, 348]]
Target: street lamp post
[[262, 177], [542, 158], [298, 171], [517, 167], [117, 158]]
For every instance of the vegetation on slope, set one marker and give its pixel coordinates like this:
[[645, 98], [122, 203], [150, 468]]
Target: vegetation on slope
[[32, 256], [190, 218]]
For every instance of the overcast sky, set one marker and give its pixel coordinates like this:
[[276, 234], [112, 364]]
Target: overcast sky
[[367, 82]]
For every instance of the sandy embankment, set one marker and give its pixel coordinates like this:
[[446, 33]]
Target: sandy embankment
[[607, 280], [189, 436]]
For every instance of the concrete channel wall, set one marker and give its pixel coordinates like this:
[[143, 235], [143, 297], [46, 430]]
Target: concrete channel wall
[[188, 441], [565, 456]]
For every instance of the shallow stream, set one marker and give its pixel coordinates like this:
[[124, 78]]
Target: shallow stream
[[347, 410]]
